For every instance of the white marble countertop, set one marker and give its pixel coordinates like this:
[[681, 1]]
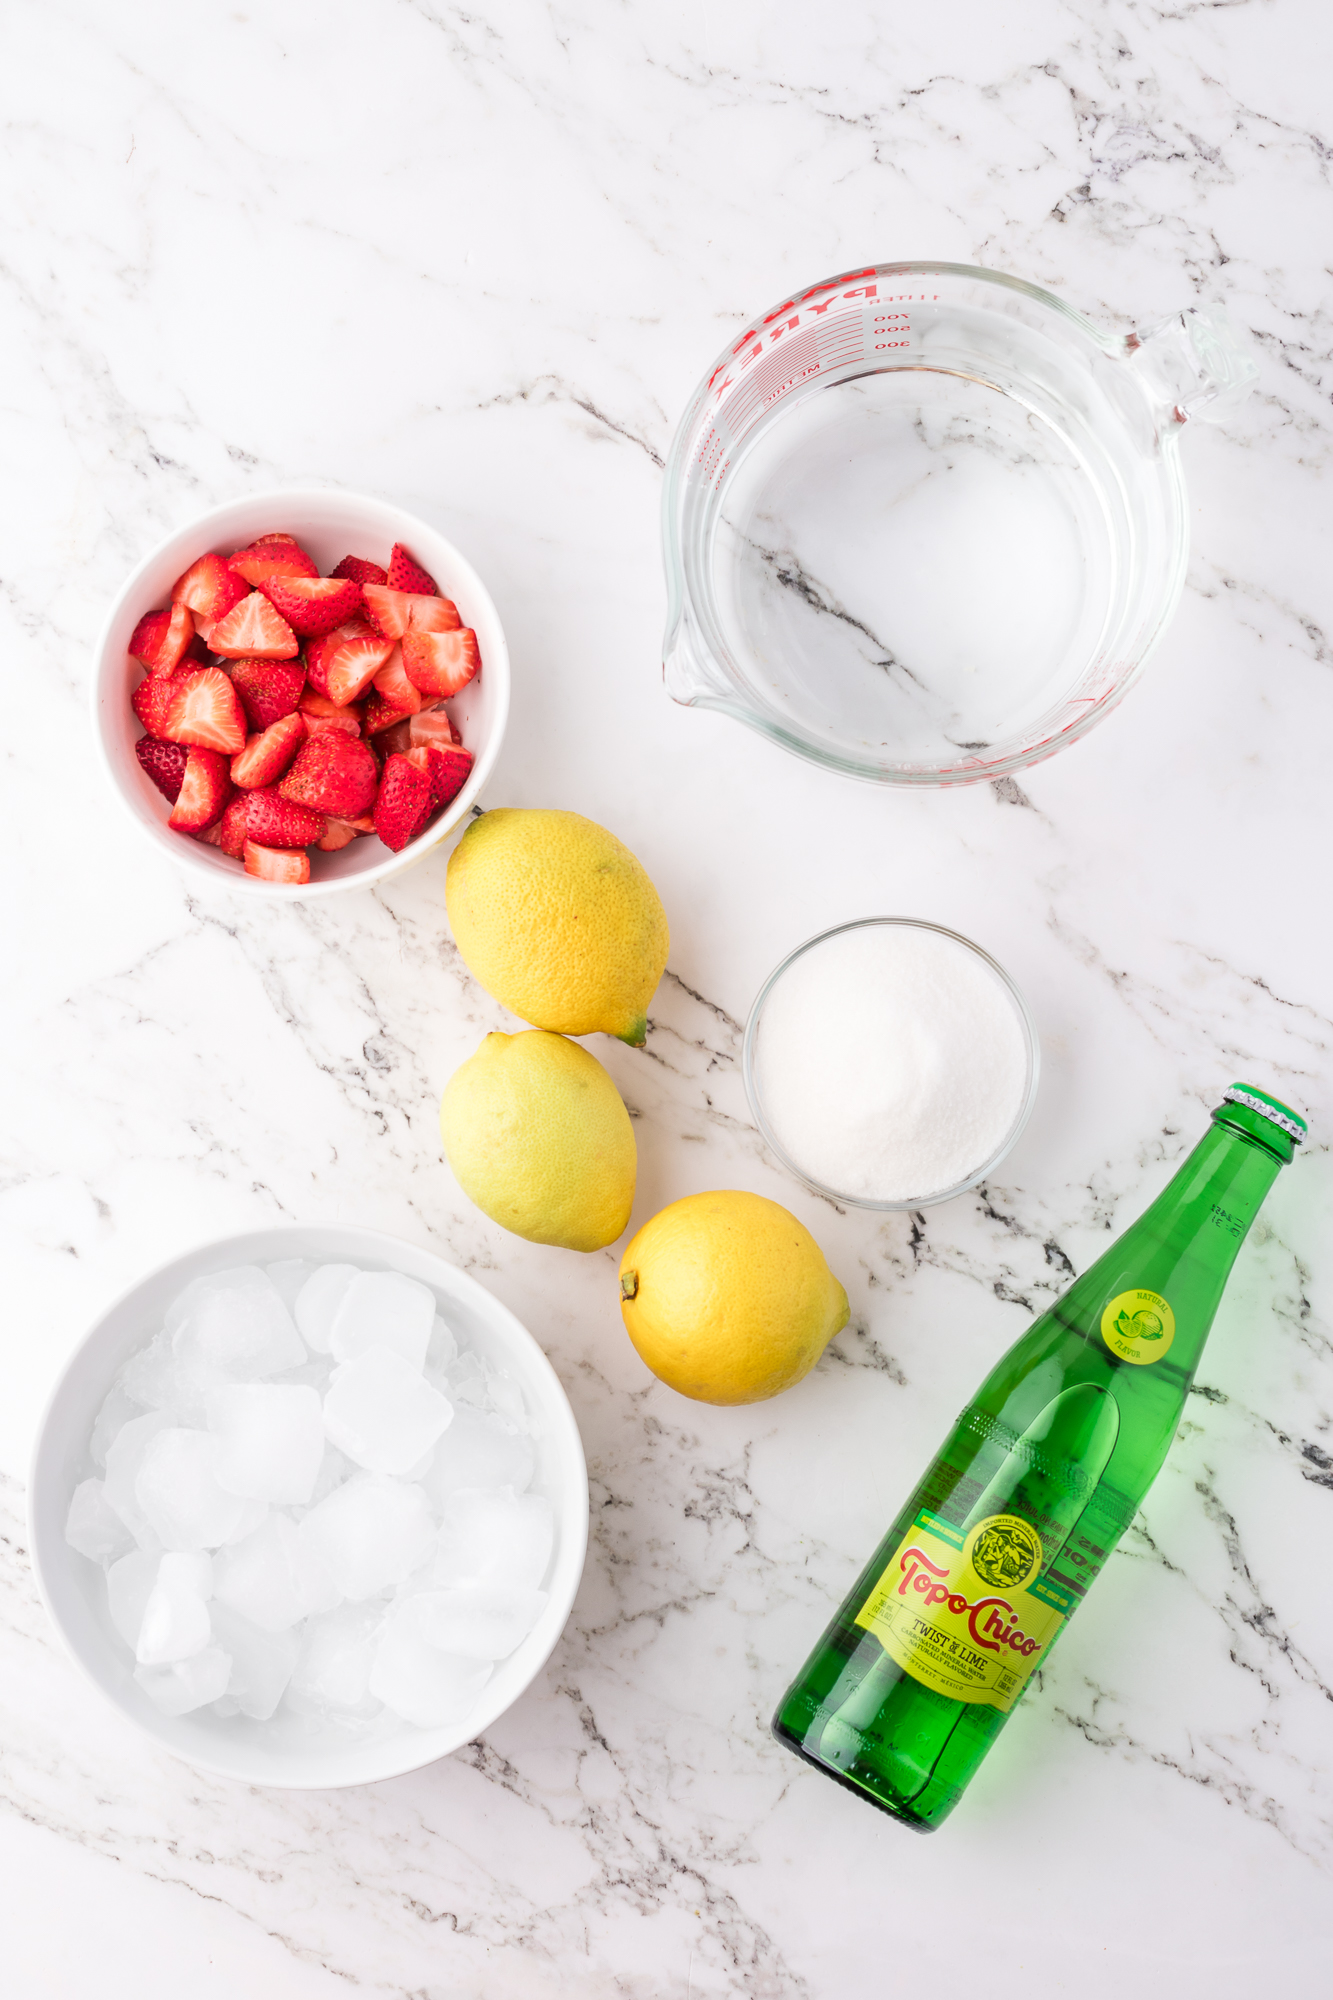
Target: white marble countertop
[[474, 260]]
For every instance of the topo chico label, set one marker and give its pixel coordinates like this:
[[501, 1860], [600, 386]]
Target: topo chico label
[[967, 1612]]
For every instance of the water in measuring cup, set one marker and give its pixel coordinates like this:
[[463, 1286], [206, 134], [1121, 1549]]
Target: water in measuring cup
[[912, 562]]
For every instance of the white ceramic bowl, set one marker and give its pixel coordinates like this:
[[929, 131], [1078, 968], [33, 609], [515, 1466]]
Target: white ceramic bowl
[[74, 1590], [329, 524]]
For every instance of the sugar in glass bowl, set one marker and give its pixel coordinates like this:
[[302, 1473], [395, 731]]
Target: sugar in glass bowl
[[74, 1589], [890, 1063], [329, 523]]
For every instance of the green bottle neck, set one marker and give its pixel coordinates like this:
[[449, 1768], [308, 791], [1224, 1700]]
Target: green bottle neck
[[1185, 1244]]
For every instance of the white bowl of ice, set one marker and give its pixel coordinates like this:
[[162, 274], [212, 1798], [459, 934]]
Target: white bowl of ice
[[281, 1607]]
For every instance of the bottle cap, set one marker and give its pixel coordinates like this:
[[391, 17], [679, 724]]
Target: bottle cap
[[1281, 1115]]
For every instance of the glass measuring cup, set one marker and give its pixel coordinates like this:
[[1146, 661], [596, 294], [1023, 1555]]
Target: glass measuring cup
[[924, 523]]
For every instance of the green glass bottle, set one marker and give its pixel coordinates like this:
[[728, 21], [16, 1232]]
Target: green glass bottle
[[1039, 1478]]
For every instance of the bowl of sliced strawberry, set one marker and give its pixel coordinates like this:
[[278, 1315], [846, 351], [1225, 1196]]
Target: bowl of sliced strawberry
[[301, 692]]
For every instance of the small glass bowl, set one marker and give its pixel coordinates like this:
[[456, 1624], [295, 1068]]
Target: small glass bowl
[[988, 1165]]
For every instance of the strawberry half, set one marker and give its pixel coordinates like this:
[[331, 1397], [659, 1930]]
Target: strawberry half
[[275, 821], [277, 864], [252, 629], [441, 662], [152, 700], [403, 804], [266, 757], [320, 713], [312, 604], [446, 771], [205, 711], [269, 689], [381, 716], [211, 836], [165, 764], [432, 729], [392, 683], [234, 826], [336, 834], [161, 640], [271, 555], [395, 741], [209, 588], [360, 572], [344, 662], [204, 792], [394, 612], [332, 774], [405, 574]]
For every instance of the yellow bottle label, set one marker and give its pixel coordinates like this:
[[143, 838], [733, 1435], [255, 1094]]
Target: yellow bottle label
[[1138, 1326], [967, 1614]]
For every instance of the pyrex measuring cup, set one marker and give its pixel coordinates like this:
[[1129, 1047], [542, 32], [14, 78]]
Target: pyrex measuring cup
[[924, 523]]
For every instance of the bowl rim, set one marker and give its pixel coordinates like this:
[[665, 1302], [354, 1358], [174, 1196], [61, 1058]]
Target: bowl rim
[[432, 1744], [496, 665], [1027, 1023]]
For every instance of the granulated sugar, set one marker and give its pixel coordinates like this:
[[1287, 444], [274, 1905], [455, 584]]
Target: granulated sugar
[[890, 1062]]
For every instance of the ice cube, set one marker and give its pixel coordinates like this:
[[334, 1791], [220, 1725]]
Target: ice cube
[[261, 1662], [116, 1411], [319, 1300], [381, 1412], [467, 1381], [479, 1621], [478, 1450], [129, 1585], [179, 1493], [273, 1578], [443, 1349], [336, 1656], [176, 1623], [157, 1379], [188, 1685], [384, 1309], [124, 1462], [495, 1536], [370, 1533], [334, 1468], [270, 1440], [93, 1526], [506, 1397], [416, 1680], [252, 1515], [234, 1321], [289, 1278]]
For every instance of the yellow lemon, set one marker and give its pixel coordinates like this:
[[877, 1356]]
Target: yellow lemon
[[558, 921], [728, 1299], [538, 1136]]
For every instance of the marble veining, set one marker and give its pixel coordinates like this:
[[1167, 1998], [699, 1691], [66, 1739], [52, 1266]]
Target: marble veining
[[475, 260]]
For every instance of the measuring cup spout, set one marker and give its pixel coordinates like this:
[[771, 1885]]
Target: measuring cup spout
[[691, 674], [1195, 364]]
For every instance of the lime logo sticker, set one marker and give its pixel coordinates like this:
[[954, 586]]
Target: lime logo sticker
[[1005, 1552], [1138, 1326]]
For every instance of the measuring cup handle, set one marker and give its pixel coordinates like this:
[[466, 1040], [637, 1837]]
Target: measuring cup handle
[[1195, 363]]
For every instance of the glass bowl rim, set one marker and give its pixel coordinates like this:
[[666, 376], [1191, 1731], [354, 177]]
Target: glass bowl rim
[[1031, 1038]]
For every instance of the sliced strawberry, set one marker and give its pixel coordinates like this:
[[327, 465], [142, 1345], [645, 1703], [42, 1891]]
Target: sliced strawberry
[[342, 722], [272, 555], [253, 629], [332, 774], [395, 740], [204, 792], [394, 612], [205, 710], [209, 588], [275, 821], [441, 662], [164, 763], [359, 571], [403, 804], [266, 757], [433, 728], [234, 826], [269, 689], [381, 716], [152, 699], [312, 604], [277, 864], [336, 834], [405, 574], [344, 662], [161, 640], [446, 771], [392, 683], [211, 835]]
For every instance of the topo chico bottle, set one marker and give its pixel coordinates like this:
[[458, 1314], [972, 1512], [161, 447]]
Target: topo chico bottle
[[1039, 1478]]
